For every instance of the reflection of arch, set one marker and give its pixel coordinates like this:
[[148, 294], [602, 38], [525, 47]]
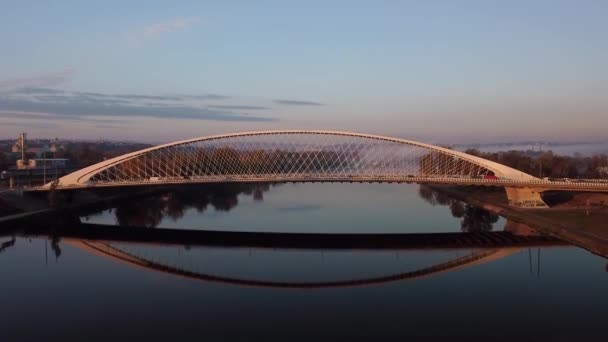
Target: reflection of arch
[[286, 155], [106, 250]]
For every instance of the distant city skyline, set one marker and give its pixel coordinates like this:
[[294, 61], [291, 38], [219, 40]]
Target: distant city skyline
[[458, 72]]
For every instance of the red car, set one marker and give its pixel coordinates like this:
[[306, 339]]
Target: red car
[[490, 177]]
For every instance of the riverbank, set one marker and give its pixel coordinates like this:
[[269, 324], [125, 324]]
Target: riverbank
[[17, 207], [6, 209], [586, 228]]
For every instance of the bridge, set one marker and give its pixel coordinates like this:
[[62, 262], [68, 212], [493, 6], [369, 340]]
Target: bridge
[[311, 156]]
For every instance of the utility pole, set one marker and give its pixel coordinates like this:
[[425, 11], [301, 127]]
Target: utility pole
[[44, 168], [540, 161]]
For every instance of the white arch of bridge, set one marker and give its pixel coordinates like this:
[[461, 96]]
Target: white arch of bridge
[[84, 176]]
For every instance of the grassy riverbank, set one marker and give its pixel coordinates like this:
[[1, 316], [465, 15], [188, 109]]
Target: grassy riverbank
[[584, 227]]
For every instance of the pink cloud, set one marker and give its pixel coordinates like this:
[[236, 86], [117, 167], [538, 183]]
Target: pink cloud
[[44, 80], [169, 26]]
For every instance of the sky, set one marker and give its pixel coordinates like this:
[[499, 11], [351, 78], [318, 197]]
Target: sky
[[448, 71]]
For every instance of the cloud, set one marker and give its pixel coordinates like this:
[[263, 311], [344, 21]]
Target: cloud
[[156, 97], [81, 98], [237, 107], [31, 124], [36, 90], [34, 82], [131, 96], [170, 26], [76, 105], [206, 97], [104, 126], [46, 117], [298, 103], [40, 103]]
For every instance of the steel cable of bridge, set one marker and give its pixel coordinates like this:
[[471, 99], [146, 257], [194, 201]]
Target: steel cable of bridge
[[290, 156]]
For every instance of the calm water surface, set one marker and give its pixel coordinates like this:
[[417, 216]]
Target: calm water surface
[[64, 288]]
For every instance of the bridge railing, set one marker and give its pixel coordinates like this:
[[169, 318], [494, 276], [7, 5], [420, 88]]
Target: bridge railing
[[318, 177]]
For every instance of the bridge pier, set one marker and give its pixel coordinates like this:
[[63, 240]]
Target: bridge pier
[[525, 198]]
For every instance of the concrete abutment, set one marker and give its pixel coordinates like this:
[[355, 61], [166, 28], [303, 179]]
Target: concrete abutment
[[525, 197]]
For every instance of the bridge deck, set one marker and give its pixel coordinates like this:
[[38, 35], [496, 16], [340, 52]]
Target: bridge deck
[[574, 185]]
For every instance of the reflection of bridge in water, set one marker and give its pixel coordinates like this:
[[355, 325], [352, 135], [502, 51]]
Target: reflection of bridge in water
[[101, 240], [478, 257]]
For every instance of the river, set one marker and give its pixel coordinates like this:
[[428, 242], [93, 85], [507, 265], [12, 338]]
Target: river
[[444, 285]]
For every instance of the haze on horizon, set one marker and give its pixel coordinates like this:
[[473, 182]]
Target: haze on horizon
[[459, 72]]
